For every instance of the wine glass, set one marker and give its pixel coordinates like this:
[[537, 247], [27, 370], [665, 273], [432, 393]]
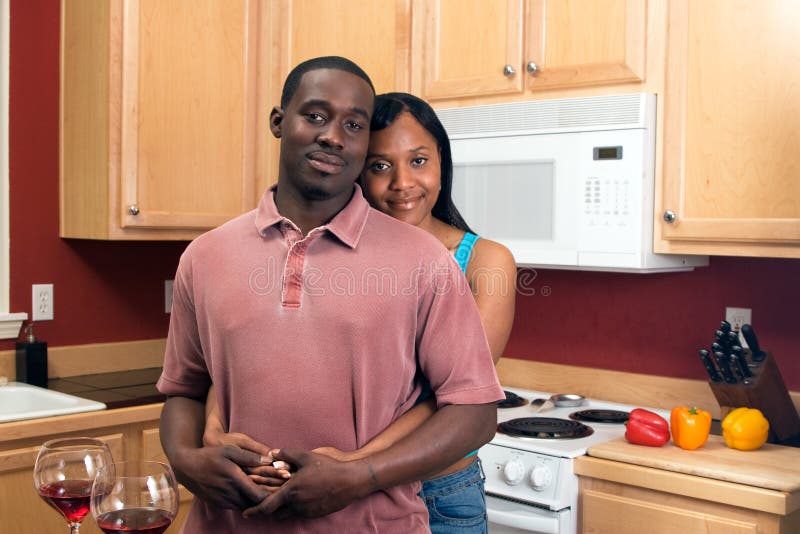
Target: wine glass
[[63, 474], [135, 497]]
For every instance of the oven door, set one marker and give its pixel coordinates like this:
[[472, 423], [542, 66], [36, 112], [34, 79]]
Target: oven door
[[507, 517]]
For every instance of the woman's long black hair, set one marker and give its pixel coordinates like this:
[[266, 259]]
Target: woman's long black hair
[[387, 107]]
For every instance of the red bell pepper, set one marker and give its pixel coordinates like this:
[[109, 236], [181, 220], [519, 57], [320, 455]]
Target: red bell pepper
[[646, 428]]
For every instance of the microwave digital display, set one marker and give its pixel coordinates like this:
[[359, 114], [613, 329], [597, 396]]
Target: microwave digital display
[[607, 152]]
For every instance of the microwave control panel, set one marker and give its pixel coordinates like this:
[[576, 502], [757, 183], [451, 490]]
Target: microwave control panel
[[607, 202]]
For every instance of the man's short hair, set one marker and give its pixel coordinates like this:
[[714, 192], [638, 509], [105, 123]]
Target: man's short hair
[[325, 62]]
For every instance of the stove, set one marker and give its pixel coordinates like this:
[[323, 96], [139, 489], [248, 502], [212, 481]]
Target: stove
[[530, 484], [544, 428]]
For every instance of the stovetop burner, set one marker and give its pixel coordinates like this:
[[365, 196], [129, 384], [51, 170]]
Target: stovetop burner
[[600, 416], [544, 428], [512, 400]]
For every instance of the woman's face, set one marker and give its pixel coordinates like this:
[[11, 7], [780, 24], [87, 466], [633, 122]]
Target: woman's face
[[402, 174]]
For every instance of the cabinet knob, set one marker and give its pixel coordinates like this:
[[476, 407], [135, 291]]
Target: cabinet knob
[[133, 209], [532, 67], [509, 71], [670, 216]]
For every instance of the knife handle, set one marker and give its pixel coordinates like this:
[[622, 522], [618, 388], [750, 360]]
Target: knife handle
[[752, 341], [724, 365], [742, 353], [741, 369], [733, 339], [713, 374]]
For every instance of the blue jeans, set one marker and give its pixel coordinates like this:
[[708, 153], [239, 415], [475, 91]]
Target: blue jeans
[[456, 503]]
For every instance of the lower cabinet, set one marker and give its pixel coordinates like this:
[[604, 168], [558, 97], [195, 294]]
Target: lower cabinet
[[22, 511], [675, 503], [617, 508], [151, 450]]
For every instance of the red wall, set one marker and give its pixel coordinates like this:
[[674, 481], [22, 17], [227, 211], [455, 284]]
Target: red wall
[[655, 323], [102, 291], [114, 291]]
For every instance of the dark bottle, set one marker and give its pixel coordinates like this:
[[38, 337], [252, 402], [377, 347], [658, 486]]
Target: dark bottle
[[32, 360]]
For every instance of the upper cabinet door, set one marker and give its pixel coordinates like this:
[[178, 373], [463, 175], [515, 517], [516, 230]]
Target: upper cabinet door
[[161, 135], [732, 129], [573, 43], [470, 48], [188, 112], [376, 35], [467, 48]]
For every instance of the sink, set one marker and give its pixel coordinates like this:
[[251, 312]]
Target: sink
[[22, 401]]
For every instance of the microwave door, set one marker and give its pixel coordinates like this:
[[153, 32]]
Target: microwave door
[[518, 191]]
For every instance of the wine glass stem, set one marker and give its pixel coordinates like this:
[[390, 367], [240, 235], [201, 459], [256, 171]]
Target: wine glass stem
[[74, 528]]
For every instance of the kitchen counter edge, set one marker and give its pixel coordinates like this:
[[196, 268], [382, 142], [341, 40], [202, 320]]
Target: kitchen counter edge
[[749, 497], [62, 424]]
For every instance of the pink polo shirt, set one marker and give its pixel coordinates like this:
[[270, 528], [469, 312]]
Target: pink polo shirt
[[317, 341]]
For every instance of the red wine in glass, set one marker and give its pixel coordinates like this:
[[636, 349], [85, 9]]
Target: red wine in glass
[[70, 497], [64, 472], [139, 497], [134, 521]]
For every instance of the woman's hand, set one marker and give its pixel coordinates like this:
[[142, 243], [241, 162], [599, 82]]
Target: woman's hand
[[340, 455], [215, 436], [265, 475]]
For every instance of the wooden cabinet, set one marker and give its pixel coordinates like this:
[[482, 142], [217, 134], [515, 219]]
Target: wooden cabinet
[[629, 499], [374, 34], [150, 440], [21, 509], [468, 48], [163, 116], [732, 139], [611, 507], [132, 433]]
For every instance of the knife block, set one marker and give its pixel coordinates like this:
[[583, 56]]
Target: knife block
[[768, 393]]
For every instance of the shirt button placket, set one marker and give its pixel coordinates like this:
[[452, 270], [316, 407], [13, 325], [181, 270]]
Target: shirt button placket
[[293, 276]]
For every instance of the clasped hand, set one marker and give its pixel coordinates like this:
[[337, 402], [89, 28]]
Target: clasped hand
[[316, 483]]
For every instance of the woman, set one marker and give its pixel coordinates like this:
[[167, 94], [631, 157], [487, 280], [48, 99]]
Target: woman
[[408, 175]]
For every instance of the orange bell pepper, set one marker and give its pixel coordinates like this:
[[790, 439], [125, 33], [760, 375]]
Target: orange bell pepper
[[690, 427]]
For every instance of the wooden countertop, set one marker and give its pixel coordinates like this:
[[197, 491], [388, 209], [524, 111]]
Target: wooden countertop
[[770, 467], [31, 428], [767, 479]]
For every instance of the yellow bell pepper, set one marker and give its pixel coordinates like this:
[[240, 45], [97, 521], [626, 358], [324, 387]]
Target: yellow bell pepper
[[745, 429], [690, 427]]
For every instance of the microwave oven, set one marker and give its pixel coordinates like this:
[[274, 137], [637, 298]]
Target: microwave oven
[[564, 183]]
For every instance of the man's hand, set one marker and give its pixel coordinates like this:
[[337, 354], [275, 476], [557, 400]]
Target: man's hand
[[263, 473], [217, 475], [320, 486]]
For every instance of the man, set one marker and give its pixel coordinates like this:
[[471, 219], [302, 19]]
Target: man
[[313, 316]]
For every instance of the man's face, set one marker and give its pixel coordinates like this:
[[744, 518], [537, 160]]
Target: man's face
[[324, 133]]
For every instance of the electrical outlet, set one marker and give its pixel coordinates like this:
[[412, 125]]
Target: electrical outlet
[[168, 296], [737, 317], [42, 302]]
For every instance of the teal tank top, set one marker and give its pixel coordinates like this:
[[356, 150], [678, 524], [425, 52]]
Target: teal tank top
[[464, 250]]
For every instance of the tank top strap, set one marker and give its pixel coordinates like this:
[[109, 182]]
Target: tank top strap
[[464, 250]]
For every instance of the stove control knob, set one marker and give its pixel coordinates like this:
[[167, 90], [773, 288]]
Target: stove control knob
[[514, 472], [541, 477]]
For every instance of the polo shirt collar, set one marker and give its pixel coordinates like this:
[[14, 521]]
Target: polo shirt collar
[[347, 225]]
